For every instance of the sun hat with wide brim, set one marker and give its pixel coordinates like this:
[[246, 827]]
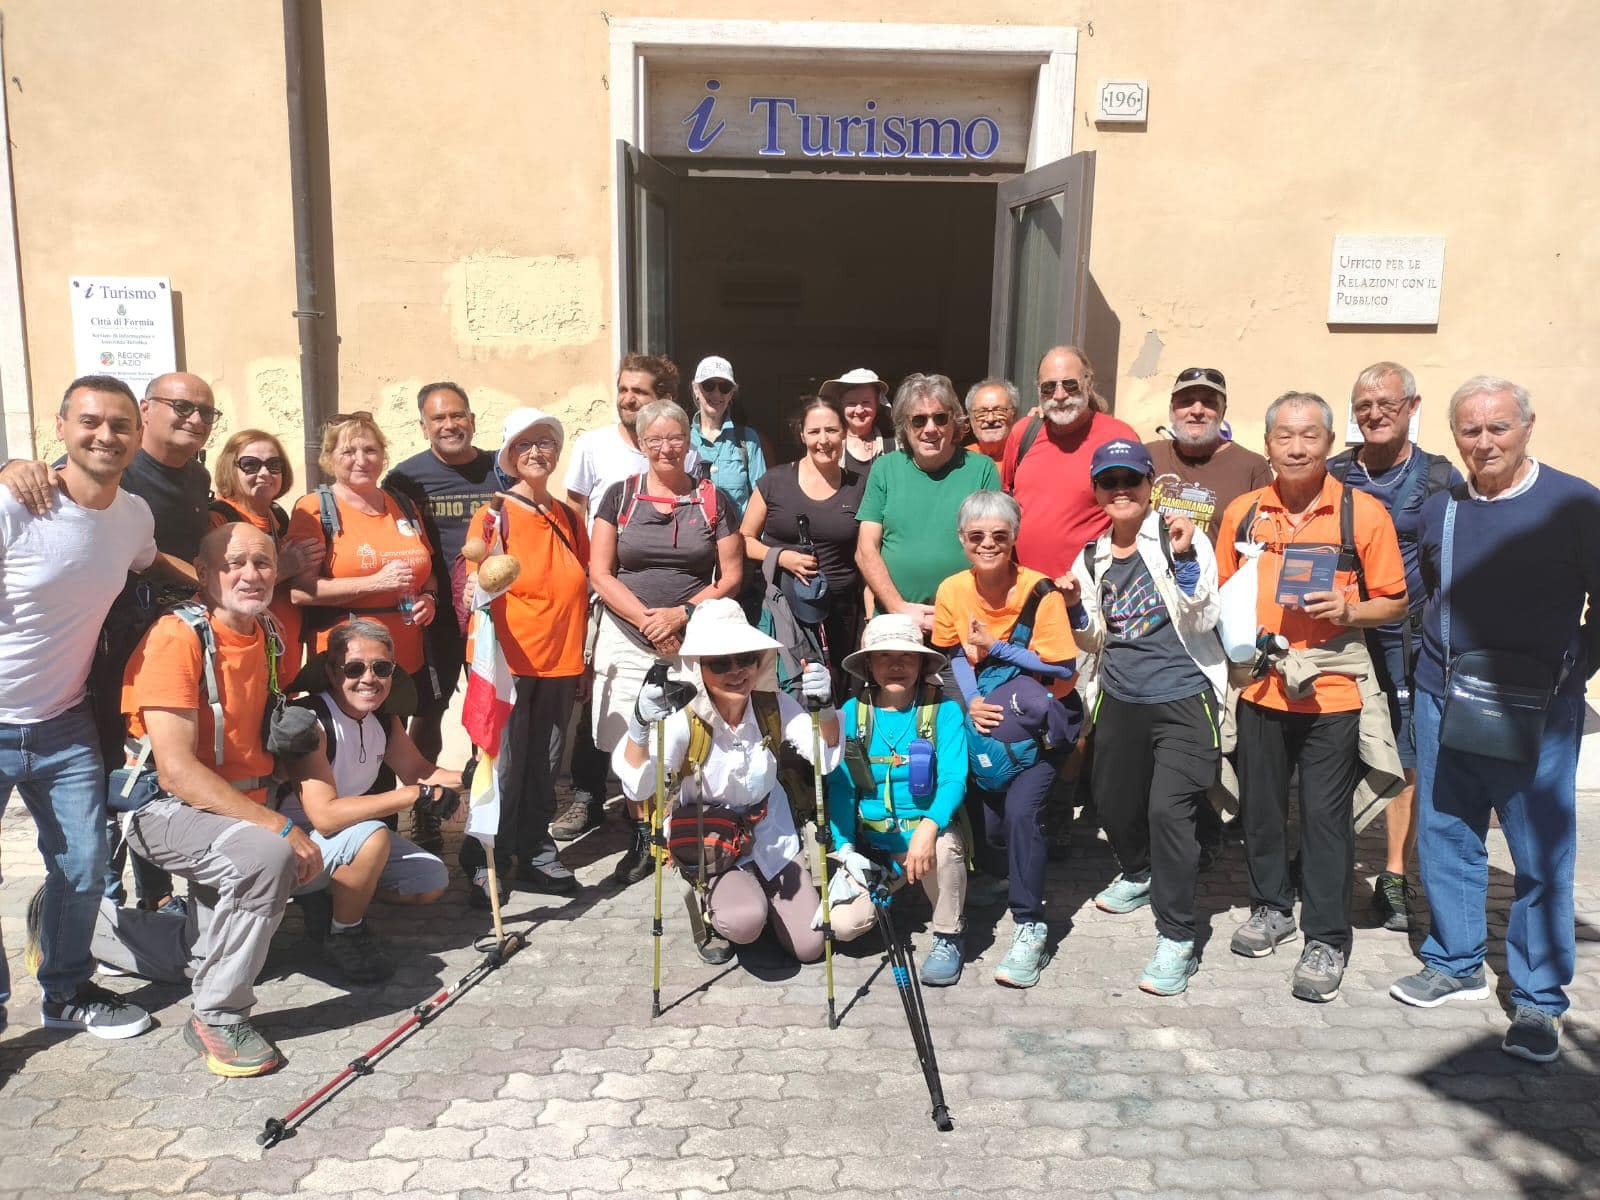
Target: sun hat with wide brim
[[520, 421], [894, 632], [718, 627], [860, 377]]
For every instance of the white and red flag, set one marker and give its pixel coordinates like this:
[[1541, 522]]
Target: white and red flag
[[486, 709]]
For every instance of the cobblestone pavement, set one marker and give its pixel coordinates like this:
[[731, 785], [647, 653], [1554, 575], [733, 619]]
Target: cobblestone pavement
[[550, 1079]]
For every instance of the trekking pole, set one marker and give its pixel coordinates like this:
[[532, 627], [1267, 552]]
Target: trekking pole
[[903, 967], [658, 675], [824, 840], [278, 1128], [494, 900]]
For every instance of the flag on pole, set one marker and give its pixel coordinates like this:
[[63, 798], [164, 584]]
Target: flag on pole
[[486, 708]]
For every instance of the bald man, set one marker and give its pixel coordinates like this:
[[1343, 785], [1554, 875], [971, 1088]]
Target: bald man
[[211, 822]]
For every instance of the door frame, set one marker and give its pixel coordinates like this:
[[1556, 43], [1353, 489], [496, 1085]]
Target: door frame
[[1051, 52]]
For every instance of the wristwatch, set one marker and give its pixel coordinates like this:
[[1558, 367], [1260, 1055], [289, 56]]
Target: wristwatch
[[688, 610]]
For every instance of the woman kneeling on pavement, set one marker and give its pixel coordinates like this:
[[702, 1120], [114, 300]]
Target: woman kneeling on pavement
[[899, 791], [730, 726], [1149, 605], [335, 805]]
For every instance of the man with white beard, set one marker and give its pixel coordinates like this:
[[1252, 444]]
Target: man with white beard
[[1198, 471]]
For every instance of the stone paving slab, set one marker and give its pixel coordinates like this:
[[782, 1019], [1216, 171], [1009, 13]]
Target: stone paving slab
[[550, 1080]]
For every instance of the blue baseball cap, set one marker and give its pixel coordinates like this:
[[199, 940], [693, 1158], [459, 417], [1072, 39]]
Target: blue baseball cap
[[1121, 454]]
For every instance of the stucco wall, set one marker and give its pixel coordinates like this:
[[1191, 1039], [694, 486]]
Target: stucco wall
[[471, 209]]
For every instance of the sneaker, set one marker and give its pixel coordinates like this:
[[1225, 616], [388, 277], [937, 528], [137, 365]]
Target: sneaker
[[942, 966], [359, 954], [579, 815], [316, 914], [987, 891], [33, 950], [1167, 973], [1391, 902], [1028, 954], [713, 948], [426, 831], [1318, 973], [637, 860], [1266, 929], [550, 876], [232, 1051], [1123, 895], [1534, 1035], [1429, 988], [478, 890], [102, 1013]]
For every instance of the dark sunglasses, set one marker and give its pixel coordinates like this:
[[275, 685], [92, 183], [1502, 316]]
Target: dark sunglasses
[[360, 414], [188, 408], [1200, 375], [1116, 480], [249, 464], [1049, 387], [717, 385], [941, 419], [723, 663], [354, 668]]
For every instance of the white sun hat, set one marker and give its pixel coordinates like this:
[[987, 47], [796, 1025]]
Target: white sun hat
[[859, 377], [893, 632], [718, 627], [518, 422]]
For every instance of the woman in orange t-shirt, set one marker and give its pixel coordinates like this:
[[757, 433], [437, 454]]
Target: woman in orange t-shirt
[[540, 622], [252, 471], [378, 560]]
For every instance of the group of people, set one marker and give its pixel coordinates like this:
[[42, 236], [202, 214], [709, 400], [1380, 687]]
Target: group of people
[[939, 625]]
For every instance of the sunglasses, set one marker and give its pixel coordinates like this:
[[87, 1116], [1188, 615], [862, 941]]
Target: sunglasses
[[1200, 375], [723, 663], [941, 419], [360, 414], [977, 537], [354, 668], [1118, 480], [184, 409], [1049, 387], [249, 465], [720, 386]]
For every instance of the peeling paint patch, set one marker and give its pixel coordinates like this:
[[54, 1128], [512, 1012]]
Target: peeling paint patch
[[1149, 360], [505, 303]]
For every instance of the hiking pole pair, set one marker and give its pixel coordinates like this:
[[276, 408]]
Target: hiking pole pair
[[278, 1128], [898, 956]]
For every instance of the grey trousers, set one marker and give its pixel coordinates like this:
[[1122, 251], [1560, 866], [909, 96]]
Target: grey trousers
[[240, 878]]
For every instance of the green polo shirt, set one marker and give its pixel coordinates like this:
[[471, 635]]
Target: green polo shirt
[[917, 510]]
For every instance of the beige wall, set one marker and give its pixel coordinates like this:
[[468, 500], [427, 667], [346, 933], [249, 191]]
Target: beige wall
[[471, 209]]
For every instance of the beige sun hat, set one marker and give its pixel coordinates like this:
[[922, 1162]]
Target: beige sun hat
[[719, 627], [891, 631], [860, 377]]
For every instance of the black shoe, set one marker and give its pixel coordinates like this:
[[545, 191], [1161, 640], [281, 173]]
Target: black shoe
[[316, 913], [549, 876], [579, 815], [1391, 902], [637, 861], [426, 833], [359, 954], [713, 948], [478, 890]]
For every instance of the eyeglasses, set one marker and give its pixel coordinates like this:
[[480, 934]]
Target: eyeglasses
[[539, 445], [249, 465], [1388, 408], [993, 414], [720, 386], [672, 440], [977, 537], [1114, 480], [354, 669], [1049, 387], [723, 663], [1200, 375], [184, 409], [940, 419]]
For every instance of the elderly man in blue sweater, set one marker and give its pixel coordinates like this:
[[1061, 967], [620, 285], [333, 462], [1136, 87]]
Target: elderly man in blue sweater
[[1511, 559]]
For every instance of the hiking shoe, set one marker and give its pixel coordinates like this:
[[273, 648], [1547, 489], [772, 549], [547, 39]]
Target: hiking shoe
[[1429, 988], [1391, 902], [478, 890], [1028, 954], [316, 913], [1534, 1035], [33, 950], [579, 815], [360, 955], [550, 876], [102, 1013], [942, 966], [1318, 973], [1123, 895], [987, 891], [1167, 973], [426, 832], [713, 948], [1266, 929], [637, 861], [232, 1051]]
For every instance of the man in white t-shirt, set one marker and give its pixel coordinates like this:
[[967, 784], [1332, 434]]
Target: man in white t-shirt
[[59, 572]]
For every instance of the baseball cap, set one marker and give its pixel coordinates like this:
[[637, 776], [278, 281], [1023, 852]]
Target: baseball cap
[[1206, 377], [715, 368], [1129, 456]]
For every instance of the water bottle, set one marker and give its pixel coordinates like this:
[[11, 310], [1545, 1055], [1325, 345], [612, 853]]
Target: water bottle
[[408, 604]]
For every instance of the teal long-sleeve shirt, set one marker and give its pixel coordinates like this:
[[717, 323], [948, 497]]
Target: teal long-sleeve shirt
[[892, 731]]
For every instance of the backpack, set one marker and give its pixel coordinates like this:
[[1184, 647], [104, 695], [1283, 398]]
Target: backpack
[[1435, 479], [1030, 434], [1349, 557], [280, 519], [705, 495], [1162, 532]]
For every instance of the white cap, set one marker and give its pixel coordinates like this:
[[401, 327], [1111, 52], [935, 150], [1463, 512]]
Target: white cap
[[518, 422], [859, 377], [715, 368], [719, 627]]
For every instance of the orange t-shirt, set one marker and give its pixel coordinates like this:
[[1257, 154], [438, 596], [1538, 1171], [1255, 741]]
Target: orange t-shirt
[[542, 620], [363, 545], [1377, 547], [167, 671], [958, 599], [283, 610]]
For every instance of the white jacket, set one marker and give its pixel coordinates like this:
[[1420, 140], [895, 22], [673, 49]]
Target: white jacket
[[1194, 617]]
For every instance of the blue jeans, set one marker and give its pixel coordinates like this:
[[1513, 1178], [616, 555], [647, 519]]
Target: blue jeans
[[1537, 805], [55, 767]]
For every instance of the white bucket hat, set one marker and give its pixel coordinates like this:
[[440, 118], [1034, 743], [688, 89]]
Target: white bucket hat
[[890, 631], [518, 422], [718, 627], [860, 377]]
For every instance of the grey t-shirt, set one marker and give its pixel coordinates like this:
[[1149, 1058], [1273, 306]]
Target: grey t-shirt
[[1144, 660]]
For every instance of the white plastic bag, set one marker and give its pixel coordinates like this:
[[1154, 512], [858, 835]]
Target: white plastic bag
[[1237, 625]]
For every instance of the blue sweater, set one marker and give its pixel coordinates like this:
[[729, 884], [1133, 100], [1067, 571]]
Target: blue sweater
[[894, 729], [1523, 570]]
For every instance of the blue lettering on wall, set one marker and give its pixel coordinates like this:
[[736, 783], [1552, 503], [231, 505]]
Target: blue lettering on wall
[[699, 117], [770, 145]]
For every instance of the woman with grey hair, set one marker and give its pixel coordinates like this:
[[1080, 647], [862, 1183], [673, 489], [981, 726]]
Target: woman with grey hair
[[908, 514], [662, 543], [1002, 623]]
